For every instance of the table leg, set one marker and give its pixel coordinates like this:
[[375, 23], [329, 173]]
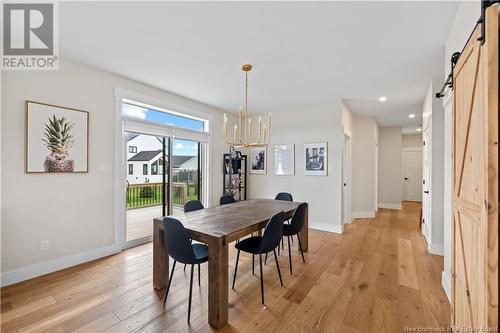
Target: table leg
[[218, 305], [304, 233], [160, 259]]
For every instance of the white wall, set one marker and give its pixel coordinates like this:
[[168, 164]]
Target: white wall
[[412, 140], [364, 167], [390, 180], [467, 14], [307, 125], [75, 212]]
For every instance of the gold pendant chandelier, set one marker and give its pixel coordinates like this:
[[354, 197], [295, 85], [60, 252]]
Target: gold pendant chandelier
[[242, 132]]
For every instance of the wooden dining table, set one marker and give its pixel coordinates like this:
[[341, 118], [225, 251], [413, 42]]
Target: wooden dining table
[[218, 227]]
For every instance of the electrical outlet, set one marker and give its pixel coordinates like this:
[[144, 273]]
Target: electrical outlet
[[44, 245]]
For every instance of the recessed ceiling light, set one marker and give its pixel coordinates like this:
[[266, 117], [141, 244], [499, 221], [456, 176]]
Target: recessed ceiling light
[[419, 129], [382, 99], [411, 115]]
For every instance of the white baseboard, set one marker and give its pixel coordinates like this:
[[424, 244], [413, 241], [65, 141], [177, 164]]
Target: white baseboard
[[446, 283], [338, 229], [437, 249], [363, 215], [49, 266], [389, 206]]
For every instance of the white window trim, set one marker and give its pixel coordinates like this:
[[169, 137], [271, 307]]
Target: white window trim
[[127, 123]]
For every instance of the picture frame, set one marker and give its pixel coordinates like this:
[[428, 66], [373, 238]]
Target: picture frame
[[56, 139], [258, 160], [284, 160], [316, 159]]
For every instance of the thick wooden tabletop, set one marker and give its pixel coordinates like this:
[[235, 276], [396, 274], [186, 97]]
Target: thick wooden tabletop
[[232, 220]]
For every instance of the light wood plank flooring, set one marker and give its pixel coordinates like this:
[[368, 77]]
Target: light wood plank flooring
[[376, 277]]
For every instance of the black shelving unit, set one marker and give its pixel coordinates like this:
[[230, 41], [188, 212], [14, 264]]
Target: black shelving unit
[[237, 175]]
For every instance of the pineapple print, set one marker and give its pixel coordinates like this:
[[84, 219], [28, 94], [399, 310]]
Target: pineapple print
[[58, 139]]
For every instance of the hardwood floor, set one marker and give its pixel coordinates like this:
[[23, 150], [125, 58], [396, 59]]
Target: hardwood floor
[[376, 277]]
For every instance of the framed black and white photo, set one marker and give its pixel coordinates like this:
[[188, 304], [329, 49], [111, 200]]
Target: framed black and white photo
[[284, 160], [258, 160], [56, 139], [316, 159]]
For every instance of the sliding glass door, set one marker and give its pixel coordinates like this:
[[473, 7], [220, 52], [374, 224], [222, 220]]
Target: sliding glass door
[[185, 169], [162, 171], [147, 177]]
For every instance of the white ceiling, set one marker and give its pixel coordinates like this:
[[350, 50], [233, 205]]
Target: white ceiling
[[303, 53]]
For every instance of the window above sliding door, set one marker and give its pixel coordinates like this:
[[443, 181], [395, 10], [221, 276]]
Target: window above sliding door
[[135, 110]]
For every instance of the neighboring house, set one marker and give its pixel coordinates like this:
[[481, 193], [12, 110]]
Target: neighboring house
[[143, 159], [137, 143], [145, 167]]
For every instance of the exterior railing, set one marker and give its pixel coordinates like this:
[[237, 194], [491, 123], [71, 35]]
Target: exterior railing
[[149, 194], [144, 195]]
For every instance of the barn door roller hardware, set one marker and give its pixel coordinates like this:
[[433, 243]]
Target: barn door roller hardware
[[482, 20], [449, 79], [454, 58]]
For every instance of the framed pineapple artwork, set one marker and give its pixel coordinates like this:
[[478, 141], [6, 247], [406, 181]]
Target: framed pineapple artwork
[[56, 139]]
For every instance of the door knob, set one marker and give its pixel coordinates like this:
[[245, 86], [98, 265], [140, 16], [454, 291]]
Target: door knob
[[406, 178]]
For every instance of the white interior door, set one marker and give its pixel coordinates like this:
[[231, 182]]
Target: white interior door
[[346, 180], [412, 174], [426, 180]]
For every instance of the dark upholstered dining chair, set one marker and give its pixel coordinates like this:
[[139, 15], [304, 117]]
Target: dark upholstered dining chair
[[294, 228], [284, 196], [226, 199], [190, 206], [181, 250], [262, 245]]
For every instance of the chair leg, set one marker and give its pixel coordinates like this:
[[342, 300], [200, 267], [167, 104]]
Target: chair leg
[[289, 254], [190, 292], [261, 279], [278, 266], [279, 247], [265, 260], [168, 285], [199, 275], [185, 264], [236, 267], [300, 247], [253, 264], [282, 244]]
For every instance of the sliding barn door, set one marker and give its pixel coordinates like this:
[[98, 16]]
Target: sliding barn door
[[475, 163]]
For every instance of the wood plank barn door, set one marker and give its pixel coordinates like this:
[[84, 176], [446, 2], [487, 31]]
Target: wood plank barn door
[[475, 166]]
